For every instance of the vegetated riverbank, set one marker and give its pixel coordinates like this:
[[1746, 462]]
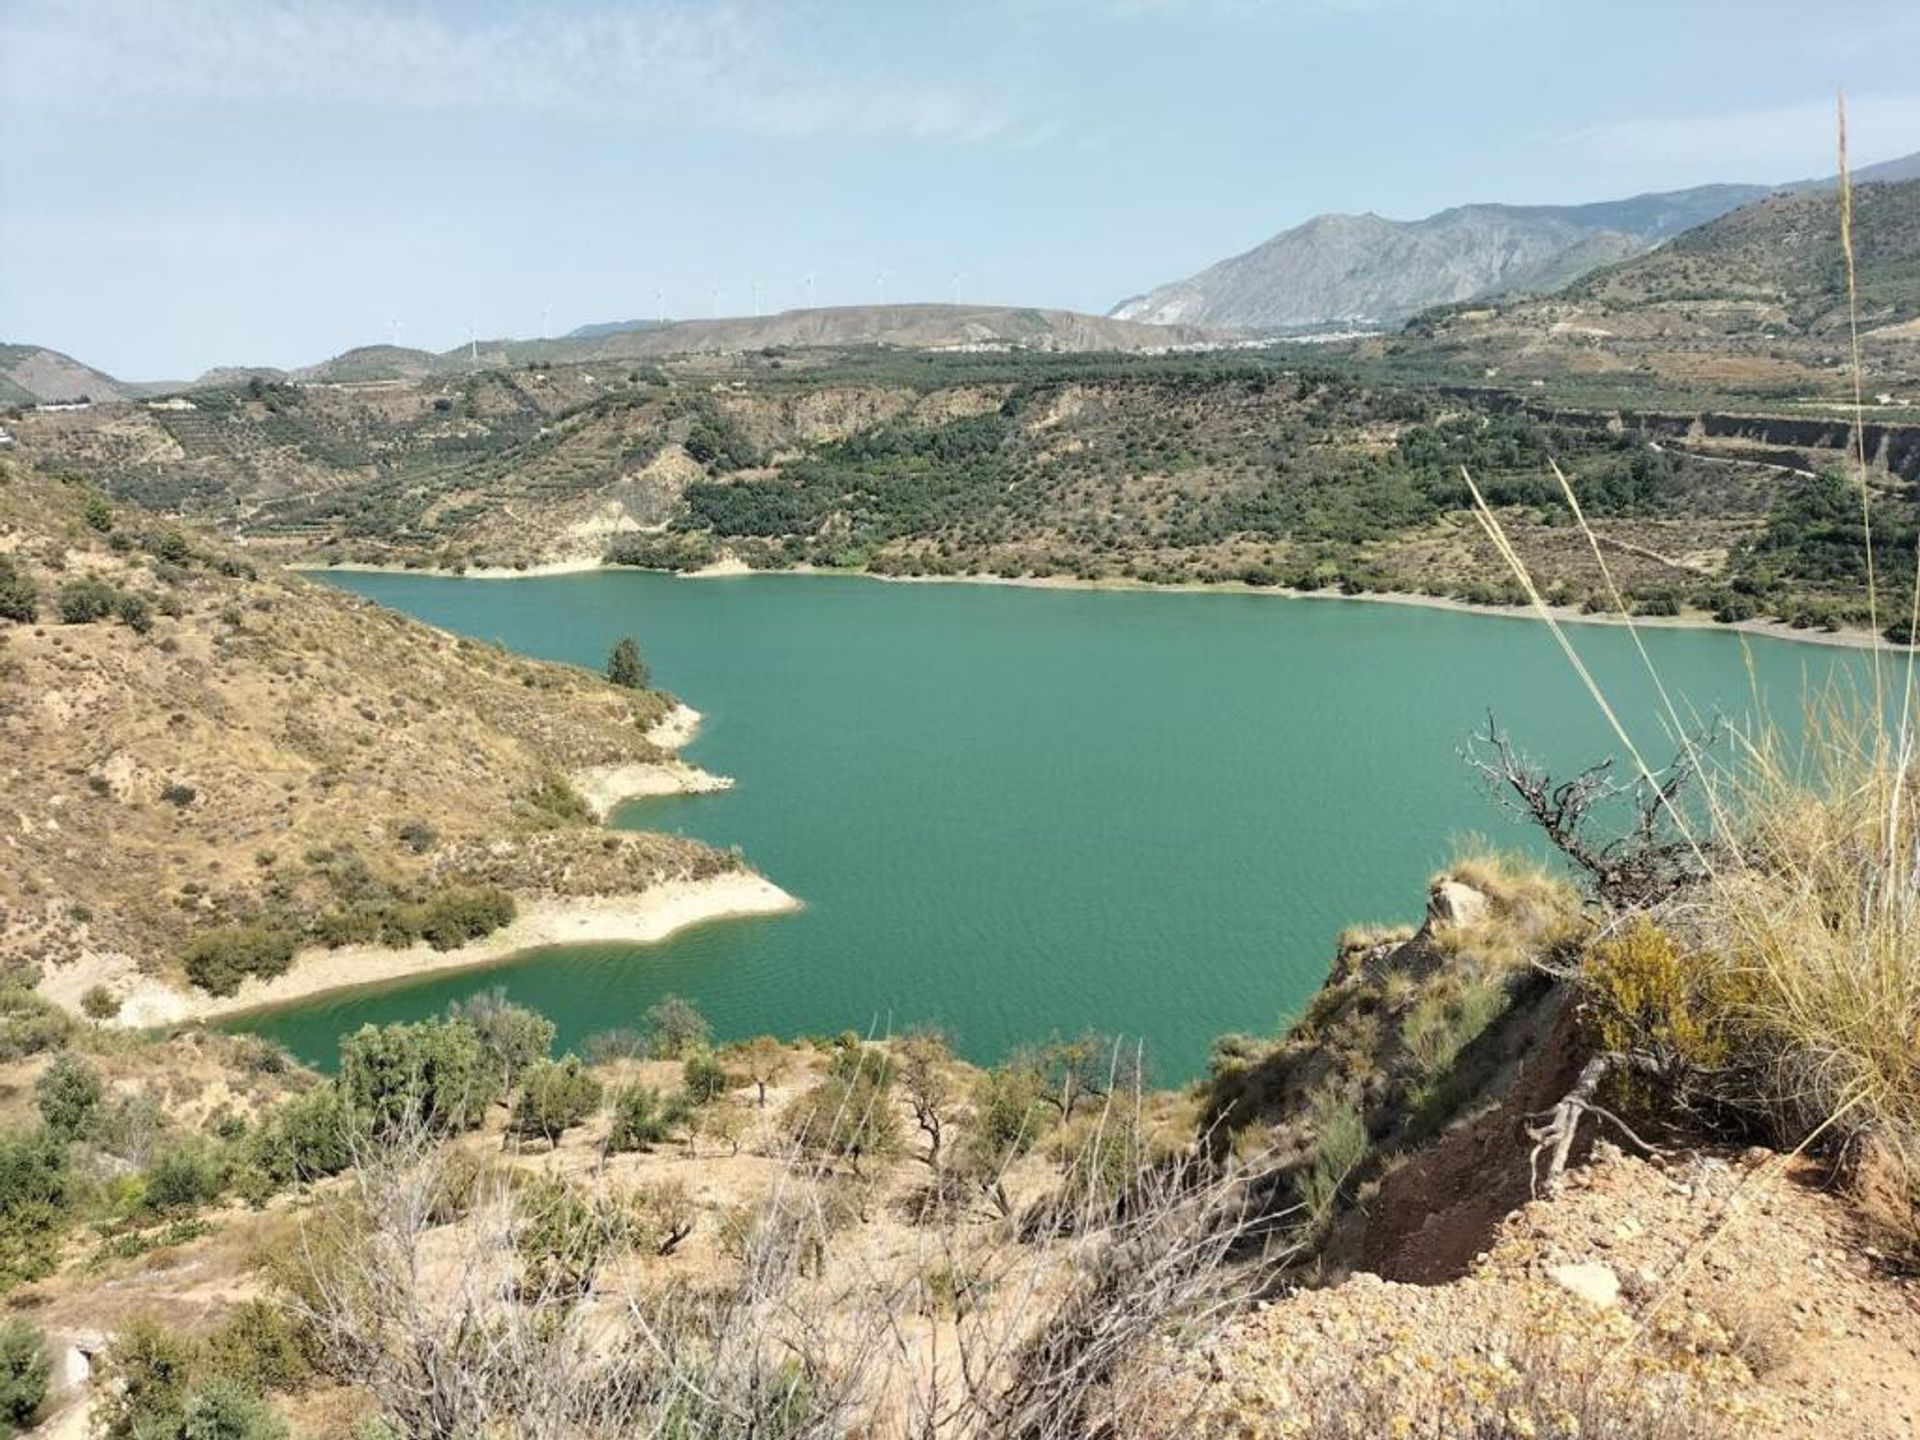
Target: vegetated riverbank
[[1849, 637]]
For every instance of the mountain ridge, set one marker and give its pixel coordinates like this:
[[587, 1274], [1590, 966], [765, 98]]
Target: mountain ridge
[[1367, 271]]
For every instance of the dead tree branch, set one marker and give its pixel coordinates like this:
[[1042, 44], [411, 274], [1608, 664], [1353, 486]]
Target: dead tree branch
[[1644, 861]]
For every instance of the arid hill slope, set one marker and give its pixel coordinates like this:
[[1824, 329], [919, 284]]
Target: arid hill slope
[[192, 744]]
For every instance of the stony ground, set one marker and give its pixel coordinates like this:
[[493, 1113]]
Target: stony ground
[[1721, 1295]]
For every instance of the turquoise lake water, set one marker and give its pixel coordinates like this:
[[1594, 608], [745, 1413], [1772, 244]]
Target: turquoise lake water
[[1014, 811]]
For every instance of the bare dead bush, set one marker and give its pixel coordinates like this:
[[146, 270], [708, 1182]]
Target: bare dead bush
[[542, 1314]]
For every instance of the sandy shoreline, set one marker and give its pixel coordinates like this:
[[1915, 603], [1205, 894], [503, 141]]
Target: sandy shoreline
[[642, 919], [1566, 615], [1769, 629]]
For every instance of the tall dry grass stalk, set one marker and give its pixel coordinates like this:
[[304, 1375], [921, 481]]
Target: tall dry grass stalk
[[1805, 920]]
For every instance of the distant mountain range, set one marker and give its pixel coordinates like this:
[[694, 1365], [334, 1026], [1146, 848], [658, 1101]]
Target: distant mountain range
[[1362, 271], [31, 374]]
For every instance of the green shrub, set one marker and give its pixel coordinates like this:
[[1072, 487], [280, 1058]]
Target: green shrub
[[69, 1092], [97, 512], [99, 1003], [19, 596], [564, 1236], [555, 1096], [30, 1023], [25, 1368], [304, 1138], [433, 1074], [555, 805], [453, 917], [219, 960], [171, 547], [853, 1121], [35, 1186], [1009, 1117], [638, 1120], [227, 1410], [259, 1346], [185, 1176], [143, 1381], [705, 1079], [134, 612], [675, 1029], [84, 601]]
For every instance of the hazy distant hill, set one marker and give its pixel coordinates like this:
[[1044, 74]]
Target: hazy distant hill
[[1368, 271], [917, 327], [33, 374], [611, 327]]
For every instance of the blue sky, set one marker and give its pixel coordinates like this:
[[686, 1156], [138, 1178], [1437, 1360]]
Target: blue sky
[[186, 183]]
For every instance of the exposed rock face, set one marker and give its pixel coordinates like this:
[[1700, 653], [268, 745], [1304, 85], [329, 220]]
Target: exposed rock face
[[1452, 903]]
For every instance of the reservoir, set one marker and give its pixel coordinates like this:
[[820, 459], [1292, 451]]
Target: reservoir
[[1014, 811]]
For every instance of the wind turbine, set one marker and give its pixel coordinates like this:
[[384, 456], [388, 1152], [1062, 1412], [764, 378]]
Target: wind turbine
[[660, 302], [959, 278], [396, 332], [716, 302], [546, 321], [473, 343], [812, 277], [880, 286], [754, 285]]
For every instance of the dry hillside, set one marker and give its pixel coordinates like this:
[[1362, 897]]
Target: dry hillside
[[195, 744]]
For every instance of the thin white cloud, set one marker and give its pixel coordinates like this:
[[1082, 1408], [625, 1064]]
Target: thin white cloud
[[684, 67], [1775, 143]]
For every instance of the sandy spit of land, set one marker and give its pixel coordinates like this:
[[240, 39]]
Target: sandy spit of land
[[642, 919], [606, 788], [719, 569]]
